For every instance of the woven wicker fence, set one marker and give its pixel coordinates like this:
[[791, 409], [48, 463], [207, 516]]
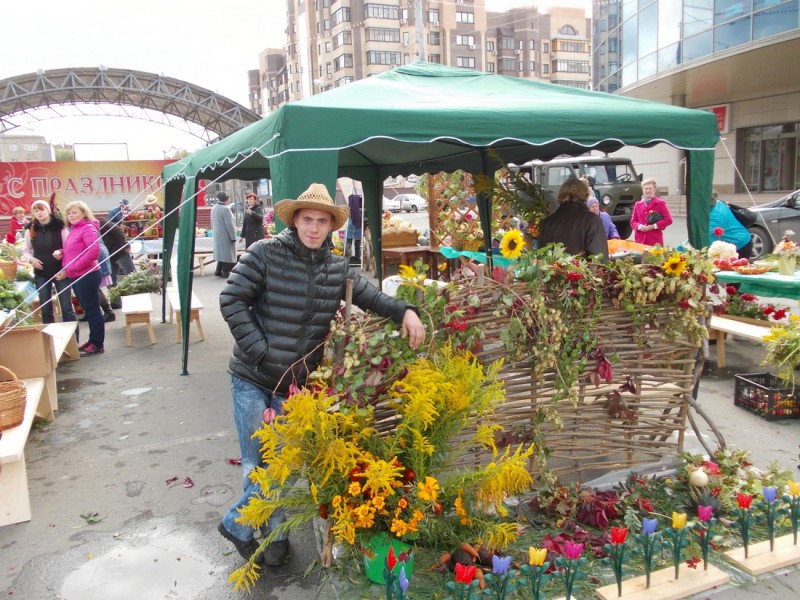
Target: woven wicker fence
[[599, 432]]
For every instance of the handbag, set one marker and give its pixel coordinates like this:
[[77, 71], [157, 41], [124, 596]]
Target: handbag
[[745, 216], [654, 217]]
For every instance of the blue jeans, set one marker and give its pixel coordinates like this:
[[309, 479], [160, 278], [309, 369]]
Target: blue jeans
[[249, 403], [85, 289], [45, 286]]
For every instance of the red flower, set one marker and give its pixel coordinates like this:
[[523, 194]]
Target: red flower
[[711, 468], [744, 500], [618, 535], [685, 304], [391, 561], [572, 276], [768, 310], [730, 290], [464, 573], [748, 297], [323, 511], [779, 314], [718, 231], [644, 504], [409, 476], [437, 509]]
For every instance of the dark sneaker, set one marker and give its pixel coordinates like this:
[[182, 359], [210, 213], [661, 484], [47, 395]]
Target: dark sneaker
[[109, 316], [90, 349], [276, 553], [245, 549]]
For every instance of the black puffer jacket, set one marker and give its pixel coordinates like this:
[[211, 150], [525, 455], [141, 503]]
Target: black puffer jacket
[[279, 302]]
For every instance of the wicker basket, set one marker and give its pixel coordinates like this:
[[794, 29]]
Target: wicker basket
[[12, 399], [9, 269]]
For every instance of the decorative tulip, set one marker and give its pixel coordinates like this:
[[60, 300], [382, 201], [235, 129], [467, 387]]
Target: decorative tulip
[[389, 574], [464, 584], [535, 571], [677, 535], [465, 573], [744, 501], [616, 549], [402, 583], [770, 506], [570, 563], [707, 520], [499, 580], [649, 540], [793, 499]]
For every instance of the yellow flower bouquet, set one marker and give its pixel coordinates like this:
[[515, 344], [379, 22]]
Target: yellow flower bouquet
[[783, 348], [381, 465]]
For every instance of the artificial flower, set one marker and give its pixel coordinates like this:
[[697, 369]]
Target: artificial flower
[[794, 488], [512, 244], [403, 580], [618, 535], [536, 556], [465, 573], [391, 560], [718, 231], [744, 500], [649, 526], [770, 493], [704, 513], [500, 564], [572, 550], [678, 520]]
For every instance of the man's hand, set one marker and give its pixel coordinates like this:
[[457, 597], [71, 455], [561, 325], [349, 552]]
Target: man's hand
[[413, 329]]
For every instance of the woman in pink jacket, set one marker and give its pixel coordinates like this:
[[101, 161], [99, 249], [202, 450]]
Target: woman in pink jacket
[[80, 267], [650, 216]]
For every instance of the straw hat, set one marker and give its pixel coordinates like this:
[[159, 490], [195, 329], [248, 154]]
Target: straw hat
[[316, 197], [150, 200]]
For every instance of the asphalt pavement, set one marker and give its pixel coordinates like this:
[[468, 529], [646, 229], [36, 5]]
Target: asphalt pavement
[[129, 482]]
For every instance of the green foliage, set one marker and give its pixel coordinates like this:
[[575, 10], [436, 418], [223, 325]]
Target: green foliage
[[10, 298], [138, 282]]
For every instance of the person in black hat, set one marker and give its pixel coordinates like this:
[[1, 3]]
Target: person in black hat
[[224, 231], [116, 215]]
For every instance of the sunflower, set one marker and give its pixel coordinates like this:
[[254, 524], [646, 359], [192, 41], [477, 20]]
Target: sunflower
[[512, 244], [674, 265]]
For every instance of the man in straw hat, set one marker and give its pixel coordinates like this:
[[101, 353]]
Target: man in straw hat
[[279, 302]]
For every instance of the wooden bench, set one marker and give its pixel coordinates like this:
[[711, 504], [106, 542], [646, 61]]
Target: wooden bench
[[15, 505], [137, 309], [718, 326], [201, 258], [175, 309]]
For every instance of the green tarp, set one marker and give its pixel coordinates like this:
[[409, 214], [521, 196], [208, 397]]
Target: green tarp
[[426, 118]]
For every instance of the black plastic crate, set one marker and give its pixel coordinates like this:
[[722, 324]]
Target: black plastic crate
[[762, 395]]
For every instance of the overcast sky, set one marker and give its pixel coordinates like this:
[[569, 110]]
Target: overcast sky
[[208, 43]]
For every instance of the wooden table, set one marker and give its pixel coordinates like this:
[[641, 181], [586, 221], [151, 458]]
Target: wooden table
[[408, 255]]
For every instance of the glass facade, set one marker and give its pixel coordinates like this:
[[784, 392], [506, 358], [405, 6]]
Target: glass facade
[[638, 39]]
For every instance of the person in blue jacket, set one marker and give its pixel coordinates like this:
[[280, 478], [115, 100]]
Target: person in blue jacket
[[723, 225]]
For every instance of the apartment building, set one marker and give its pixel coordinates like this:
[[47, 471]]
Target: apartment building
[[332, 43]]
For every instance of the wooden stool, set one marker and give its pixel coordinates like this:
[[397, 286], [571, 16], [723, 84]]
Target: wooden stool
[[175, 308], [201, 261], [137, 309]]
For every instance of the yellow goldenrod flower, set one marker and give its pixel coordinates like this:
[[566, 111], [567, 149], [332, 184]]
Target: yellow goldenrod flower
[[512, 244], [458, 505], [678, 520], [428, 490], [794, 488], [536, 556]]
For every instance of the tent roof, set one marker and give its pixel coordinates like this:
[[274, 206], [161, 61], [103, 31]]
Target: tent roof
[[426, 118]]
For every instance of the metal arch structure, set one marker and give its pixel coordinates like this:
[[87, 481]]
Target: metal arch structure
[[216, 115]]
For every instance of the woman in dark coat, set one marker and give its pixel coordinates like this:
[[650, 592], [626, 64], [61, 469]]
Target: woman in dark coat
[[573, 224], [253, 222]]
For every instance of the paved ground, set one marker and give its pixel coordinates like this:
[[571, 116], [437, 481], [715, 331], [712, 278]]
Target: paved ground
[[129, 422]]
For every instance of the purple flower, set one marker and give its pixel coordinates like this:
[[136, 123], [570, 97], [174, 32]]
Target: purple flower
[[500, 565], [649, 526], [770, 493], [572, 550], [704, 513], [403, 580]]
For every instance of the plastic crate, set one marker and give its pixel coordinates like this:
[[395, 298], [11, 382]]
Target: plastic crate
[[762, 395]]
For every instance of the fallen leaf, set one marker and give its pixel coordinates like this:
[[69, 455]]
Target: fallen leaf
[[92, 518], [187, 483]]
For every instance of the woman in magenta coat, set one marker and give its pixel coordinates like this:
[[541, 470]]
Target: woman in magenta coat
[[650, 216], [80, 268]]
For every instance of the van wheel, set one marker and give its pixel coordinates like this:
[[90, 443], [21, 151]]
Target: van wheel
[[624, 230]]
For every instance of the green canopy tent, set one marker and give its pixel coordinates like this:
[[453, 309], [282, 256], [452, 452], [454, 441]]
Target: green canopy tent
[[428, 118]]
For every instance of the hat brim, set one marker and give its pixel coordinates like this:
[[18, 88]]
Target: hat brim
[[285, 209]]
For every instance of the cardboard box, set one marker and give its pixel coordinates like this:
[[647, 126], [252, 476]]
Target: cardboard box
[[27, 351]]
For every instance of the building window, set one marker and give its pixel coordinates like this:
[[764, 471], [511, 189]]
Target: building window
[[375, 57], [507, 43], [490, 67], [545, 69], [507, 64], [583, 85], [342, 62], [490, 46], [774, 20], [382, 11], [570, 66], [382, 34], [342, 38], [340, 16], [465, 40], [465, 17], [328, 47], [731, 34], [326, 24], [568, 30], [434, 38], [433, 16], [532, 45], [571, 46], [435, 58], [532, 66], [545, 47], [465, 61]]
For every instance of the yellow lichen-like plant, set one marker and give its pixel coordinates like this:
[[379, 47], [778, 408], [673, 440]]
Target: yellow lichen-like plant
[[505, 477]]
